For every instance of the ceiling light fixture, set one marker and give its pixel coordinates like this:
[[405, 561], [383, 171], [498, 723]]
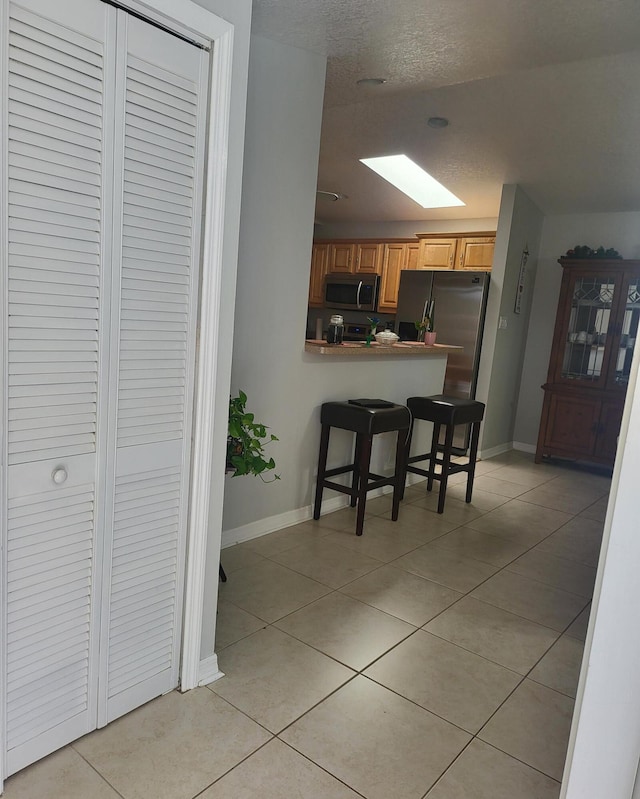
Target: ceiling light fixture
[[437, 122], [371, 81], [411, 179]]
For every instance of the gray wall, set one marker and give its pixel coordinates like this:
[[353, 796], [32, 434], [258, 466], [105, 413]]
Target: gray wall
[[284, 112], [400, 230], [285, 385], [519, 227], [560, 233]]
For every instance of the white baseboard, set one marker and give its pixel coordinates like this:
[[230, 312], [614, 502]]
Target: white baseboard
[[287, 519], [278, 522], [208, 670], [521, 447], [485, 454]]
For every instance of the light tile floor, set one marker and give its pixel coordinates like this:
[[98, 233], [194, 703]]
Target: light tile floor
[[436, 657]]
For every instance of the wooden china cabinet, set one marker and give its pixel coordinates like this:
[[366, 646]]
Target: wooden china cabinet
[[593, 342]]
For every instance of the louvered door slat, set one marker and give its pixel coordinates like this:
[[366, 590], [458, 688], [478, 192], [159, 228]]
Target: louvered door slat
[[68, 594], [30, 204], [28, 24]]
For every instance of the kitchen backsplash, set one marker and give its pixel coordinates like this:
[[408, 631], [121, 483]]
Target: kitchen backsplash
[[350, 317]]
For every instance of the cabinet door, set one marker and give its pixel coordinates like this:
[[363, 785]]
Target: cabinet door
[[368, 258], [319, 266], [572, 425], [475, 253], [342, 257], [608, 431], [412, 256], [624, 331], [437, 253], [392, 263], [586, 327]]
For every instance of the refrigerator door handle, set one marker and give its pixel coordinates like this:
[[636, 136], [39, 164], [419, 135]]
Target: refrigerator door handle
[[424, 310]]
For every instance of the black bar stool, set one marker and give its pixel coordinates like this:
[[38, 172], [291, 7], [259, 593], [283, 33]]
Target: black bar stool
[[365, 418], [447, 411]]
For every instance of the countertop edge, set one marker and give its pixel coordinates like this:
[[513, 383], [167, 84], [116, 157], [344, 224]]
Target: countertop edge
[[353, 350]]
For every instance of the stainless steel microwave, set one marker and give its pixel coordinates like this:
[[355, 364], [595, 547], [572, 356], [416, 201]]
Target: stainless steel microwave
[[354, 292]]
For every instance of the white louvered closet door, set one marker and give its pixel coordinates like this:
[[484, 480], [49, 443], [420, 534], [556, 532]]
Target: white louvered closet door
[[162, 87], [105, 142], [55, 308]]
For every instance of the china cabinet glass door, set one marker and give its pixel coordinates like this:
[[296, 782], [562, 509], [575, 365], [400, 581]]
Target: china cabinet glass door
[[625, 331], [588, 329]]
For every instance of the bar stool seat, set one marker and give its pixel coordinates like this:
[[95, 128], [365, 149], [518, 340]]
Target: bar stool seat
[[448, 411], [365, 418]]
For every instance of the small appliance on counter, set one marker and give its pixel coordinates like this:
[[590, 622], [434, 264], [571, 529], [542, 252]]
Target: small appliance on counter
[[357, 325], [335, 332]]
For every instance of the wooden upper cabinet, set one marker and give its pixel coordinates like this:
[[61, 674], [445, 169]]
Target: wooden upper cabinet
[[475, 253], [353, 257], [396, 257], [437, 253], [459, 251], [342, 256], [388, 258], [319, 268], [368, 258], [412, 257], [392, 262]]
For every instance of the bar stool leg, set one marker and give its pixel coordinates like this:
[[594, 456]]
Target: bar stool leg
[[407, 453], [446, 463], [402, 453], [322, 467], [355, 481], [473, 452], [433, 454], [364, 460]]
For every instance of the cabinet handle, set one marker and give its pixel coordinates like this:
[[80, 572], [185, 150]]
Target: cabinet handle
[[59, 476], [451, 260], [461, 259]]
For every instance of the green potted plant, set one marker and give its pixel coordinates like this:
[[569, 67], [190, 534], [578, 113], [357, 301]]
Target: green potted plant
[[246, 440]]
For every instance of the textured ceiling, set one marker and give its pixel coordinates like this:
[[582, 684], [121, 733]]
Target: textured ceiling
[[544, 94]]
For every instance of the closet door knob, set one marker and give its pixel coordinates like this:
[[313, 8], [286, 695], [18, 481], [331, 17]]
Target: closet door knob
[[59, 476]]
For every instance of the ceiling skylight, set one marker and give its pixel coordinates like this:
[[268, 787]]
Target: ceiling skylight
[[411, 179]]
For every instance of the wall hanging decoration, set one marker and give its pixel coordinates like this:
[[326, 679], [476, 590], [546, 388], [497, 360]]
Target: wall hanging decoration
[[521, 279]]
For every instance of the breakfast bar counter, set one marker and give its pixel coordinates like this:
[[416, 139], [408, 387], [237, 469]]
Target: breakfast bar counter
[[358, 349]]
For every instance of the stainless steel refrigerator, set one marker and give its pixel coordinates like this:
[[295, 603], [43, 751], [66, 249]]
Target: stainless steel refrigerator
[[460, 301]]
